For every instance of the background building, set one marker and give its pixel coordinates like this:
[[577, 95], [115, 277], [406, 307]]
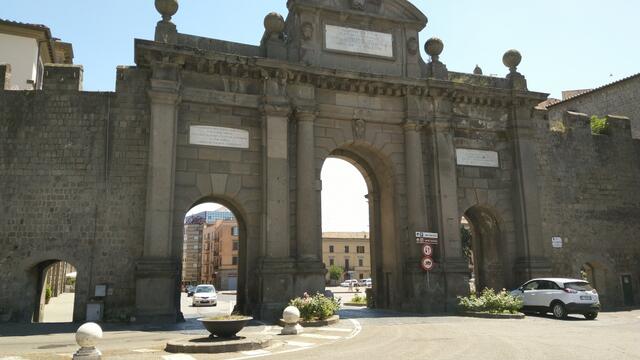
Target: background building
[[26, 48], [192, 251], [348, 250], [224, 249]]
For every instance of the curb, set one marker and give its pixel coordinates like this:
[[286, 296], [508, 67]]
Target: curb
[[481, 315], [315, 323]]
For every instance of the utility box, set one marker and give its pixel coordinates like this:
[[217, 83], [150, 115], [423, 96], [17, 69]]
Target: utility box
[[95, 311]]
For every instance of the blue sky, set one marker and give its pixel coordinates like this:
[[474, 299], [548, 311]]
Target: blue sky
[[566, 44]]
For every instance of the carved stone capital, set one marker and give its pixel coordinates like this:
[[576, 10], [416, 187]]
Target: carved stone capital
[[276, 110], [305, 114]]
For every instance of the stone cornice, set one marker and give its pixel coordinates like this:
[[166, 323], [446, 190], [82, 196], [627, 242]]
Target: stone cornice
[[262, 69]]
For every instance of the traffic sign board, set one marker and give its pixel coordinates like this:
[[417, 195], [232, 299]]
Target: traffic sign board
[[427, 263], [422, 240], [427, 250]]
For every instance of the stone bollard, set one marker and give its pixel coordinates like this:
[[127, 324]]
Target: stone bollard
[[291, 316], [87, 336]]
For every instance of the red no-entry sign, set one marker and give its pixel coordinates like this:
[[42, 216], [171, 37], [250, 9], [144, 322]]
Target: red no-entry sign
[[427, 263]]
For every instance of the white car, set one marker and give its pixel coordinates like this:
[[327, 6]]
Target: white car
[[346, 283], [205, 295], [366, 282], [560, 297]]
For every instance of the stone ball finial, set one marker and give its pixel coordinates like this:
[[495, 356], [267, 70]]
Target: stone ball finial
[[512, 59], [274, 23], [88, 335], [291, 315], [434, 47], [167, 8]]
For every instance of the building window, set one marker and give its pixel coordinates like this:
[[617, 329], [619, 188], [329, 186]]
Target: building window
[[360, 249], [346, 249], [331, 262], [236, 245], [360, 262], [234, 260], [346, 264], [234, 231], [361, 276], [330, 248]]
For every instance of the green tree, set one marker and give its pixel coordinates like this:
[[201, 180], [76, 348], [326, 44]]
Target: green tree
[[335, 272]]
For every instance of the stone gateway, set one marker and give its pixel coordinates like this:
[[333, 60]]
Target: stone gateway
[[103, 180]]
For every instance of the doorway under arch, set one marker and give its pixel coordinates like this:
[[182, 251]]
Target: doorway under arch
[[212, 251], [486, 248], [383, 247], [54, 297]]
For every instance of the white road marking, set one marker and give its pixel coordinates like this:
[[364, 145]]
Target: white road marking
[[256, 352], [145, 350], [12, 358], [299, 344], [267, 329], [318, 336], [178, 357], [335, 329], [357, 328]]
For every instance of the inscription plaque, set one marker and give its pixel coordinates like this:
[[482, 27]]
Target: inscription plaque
[[481, 158], [219, 136], [358, 41]]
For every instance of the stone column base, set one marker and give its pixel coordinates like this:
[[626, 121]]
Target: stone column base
[[157, 291], [276, 279], [310, 277]]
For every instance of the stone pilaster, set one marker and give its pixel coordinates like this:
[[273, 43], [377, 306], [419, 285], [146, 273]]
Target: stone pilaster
[[277, 267], [157, 271], [416, 199], [531, 261], [451, 259], [5, 76]]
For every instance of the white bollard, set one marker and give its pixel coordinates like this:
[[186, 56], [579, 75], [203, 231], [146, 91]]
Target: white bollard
[[291, 316], [87, 336]]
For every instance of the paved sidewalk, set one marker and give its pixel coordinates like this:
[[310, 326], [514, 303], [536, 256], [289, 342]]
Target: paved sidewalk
[[59, 309]]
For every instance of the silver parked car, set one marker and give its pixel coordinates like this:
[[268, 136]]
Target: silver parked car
[[205, 295]]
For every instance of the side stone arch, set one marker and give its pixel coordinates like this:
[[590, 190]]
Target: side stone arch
[[245, 204]]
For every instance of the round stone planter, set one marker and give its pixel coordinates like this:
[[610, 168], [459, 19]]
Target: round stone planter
[[492, 316], [315, 323], [225, 328]]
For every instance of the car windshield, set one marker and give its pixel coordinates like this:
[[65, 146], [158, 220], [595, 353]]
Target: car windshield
[[578, 286], [204, 289]]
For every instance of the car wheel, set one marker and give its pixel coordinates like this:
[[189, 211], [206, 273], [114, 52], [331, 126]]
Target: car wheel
[[559, 311], [591, 315]]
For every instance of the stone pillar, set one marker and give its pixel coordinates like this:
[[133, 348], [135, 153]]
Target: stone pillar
[[157, 271], [277, 268], [451, 260], [5, 76], [531, 261], [310, 274]]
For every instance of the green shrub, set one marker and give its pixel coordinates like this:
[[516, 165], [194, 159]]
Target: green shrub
[[599, 126], [317, 307], [335, 272], [48, 292], [357, 299], [489, 301]]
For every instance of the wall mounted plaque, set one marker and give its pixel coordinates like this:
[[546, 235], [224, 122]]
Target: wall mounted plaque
[[480, 158], [219, 136], [358, 41]]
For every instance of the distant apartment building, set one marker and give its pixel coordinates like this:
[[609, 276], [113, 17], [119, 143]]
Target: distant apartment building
[[26, 48], [349, 250], [192, 251], [211, 216], [224, 245]]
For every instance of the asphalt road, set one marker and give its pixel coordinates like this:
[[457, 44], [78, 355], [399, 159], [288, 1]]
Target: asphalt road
[[361, 334]]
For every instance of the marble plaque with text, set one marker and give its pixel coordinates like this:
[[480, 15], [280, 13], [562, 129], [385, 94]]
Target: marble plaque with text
[[481, 158], [358, 41], [219, 136]]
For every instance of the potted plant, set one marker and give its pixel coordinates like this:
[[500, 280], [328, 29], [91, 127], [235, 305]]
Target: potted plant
[[226, 326]]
